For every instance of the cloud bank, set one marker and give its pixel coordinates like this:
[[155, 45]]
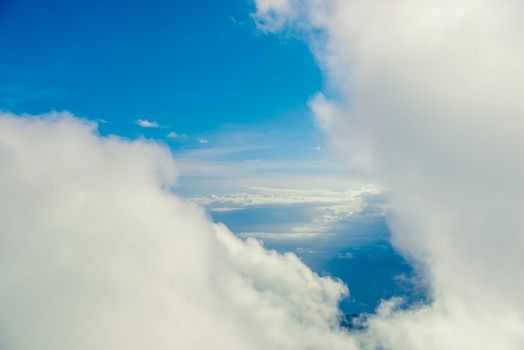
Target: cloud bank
[[426, 97], [97, 253]]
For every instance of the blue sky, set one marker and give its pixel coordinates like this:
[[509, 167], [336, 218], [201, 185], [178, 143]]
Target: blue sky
[[191, 66], [231, 103]]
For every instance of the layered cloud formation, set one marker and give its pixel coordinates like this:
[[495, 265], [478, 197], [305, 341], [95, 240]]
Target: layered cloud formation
[[426, 97], [97, 253]]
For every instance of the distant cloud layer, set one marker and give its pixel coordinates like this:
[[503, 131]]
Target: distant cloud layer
[[350, 199], [286, 213], [426, 98], [97, 253]]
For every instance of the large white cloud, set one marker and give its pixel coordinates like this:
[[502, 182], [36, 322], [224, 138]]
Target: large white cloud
[[97, 253], [426, 96]]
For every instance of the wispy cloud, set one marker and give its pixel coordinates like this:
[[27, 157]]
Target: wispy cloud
[[173, 135], [144, 123], [237, 158]]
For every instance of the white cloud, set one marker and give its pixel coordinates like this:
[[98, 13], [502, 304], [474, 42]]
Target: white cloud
[[202, 140], [323, 208], [173, 135], [97, 253], [257, 195], [144, 123], [279, 235], [429, 103]]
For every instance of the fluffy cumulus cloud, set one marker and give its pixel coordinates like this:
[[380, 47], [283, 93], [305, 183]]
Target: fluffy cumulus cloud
[[96, 252], [426, 97]]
